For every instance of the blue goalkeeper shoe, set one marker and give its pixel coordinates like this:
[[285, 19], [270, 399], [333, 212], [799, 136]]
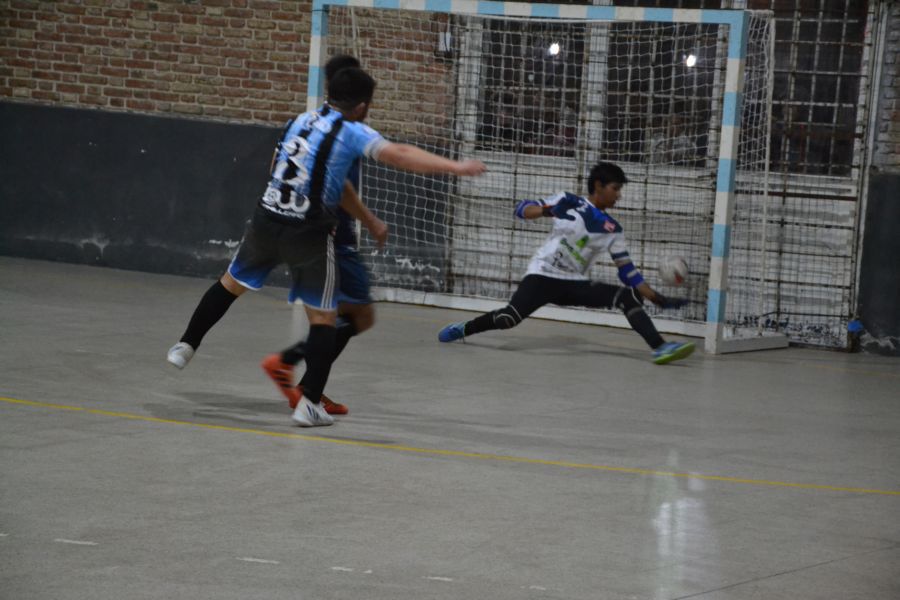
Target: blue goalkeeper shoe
[[672, 351], [452, 332]]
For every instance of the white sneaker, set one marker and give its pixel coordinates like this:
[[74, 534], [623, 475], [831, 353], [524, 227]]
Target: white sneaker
[[180, 354], [308, 414]]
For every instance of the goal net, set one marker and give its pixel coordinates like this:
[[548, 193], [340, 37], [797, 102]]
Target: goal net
[[540, 93]]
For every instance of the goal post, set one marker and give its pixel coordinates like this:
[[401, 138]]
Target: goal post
[[680, 98]]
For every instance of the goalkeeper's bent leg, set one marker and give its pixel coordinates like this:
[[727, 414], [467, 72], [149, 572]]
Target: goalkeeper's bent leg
[[628, 303], [533, 292], [503, 318]]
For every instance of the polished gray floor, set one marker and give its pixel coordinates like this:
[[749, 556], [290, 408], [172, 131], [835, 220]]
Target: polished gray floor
[[551, 461]]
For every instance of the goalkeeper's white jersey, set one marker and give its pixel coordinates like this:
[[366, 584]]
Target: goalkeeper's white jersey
[[573, 246]]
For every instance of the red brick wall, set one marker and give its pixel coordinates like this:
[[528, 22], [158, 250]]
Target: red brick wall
[[241, 60]]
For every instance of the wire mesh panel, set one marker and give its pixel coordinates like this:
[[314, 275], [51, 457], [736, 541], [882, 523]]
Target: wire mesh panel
[[540, 100]]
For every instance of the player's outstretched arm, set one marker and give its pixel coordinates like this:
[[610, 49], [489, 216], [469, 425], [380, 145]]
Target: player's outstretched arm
[[352, 203], [531, 209], [658, 299], [416, 160]]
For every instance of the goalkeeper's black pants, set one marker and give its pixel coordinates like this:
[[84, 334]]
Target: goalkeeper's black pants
[[536, 291]]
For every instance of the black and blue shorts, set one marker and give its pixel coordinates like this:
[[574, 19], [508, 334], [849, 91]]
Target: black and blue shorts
[[307, 248], [354, 287]]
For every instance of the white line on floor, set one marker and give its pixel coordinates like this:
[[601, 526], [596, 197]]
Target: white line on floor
[[437, 578], [259, 560], [76, 542]]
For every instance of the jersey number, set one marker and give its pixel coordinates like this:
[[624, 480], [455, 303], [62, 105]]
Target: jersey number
[[292, 174]]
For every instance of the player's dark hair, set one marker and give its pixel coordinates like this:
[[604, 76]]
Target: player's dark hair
[[339, 62], [606, 173], [349, 87]]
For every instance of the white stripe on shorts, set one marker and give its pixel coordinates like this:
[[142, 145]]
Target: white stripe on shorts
[[328, 292]]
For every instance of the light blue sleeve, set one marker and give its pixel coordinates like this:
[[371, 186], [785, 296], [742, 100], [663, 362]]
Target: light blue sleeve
[[363, 140]]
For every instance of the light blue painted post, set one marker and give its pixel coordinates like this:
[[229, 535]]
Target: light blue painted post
[[717, 296], [315, 87]]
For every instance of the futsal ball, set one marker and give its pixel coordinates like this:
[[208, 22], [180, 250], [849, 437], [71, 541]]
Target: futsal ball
[[673, 270]]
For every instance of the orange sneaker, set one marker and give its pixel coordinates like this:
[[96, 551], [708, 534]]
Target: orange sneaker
[[334, 408], [331, 407], [283, 376]]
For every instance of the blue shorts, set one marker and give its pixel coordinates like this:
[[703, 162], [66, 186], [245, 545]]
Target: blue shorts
[[354, 287], [307, 250]]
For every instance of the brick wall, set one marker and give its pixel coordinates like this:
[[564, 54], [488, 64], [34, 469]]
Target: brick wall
[[237, 60], [887, 142], [242, 60]]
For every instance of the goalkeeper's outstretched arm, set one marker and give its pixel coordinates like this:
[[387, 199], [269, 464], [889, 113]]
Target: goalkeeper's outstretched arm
[[557, 207], [631, 277], [531, 209]]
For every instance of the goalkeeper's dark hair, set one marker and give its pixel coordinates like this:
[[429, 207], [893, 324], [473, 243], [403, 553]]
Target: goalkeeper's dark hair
[[349, 87], [606, 173], [338, 63]]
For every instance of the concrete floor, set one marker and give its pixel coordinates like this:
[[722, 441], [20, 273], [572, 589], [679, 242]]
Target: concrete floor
[[550, 461]]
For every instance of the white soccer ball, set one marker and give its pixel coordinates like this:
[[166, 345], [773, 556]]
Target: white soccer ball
[[673, 270]]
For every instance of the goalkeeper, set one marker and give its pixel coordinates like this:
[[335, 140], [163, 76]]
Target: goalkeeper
[[557, 273]]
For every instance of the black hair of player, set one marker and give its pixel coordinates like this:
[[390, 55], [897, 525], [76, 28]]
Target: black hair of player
[[339, 62], [350, 87], [606, 173]]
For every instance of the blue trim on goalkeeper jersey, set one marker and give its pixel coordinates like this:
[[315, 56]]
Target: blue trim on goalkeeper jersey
[[521, 206], [597, 221], [629, 275]]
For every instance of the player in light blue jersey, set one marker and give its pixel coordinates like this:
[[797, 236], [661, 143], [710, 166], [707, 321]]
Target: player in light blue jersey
[[293, 224], [356, 313], [582, 232]]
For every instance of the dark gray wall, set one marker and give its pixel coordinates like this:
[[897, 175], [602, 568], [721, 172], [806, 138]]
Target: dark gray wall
[[879, 281], [156, 194], [127, 191]]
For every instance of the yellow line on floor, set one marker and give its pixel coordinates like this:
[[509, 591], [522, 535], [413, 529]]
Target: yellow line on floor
[[454, 453]]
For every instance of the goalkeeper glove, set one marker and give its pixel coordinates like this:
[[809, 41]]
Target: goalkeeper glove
[[566, 203], [663, 302]]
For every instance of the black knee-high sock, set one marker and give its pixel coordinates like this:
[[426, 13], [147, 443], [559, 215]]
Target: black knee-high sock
[[213, 305], [483, 323], [295, 353], [345, 331], [319, 356], [640, 322]]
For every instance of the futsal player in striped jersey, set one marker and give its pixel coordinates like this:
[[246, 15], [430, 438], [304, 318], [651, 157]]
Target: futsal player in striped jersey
[[582, 232], [356, 312], [294, 221]]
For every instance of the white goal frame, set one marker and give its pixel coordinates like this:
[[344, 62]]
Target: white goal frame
[[714, 329]]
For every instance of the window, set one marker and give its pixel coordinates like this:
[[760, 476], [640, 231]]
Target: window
[[531, 87], [818, 67]]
